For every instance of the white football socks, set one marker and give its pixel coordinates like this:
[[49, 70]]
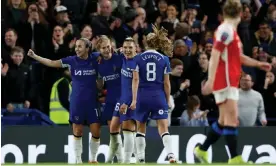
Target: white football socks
[[140, 146], [115, 147], [128, 146], [166, 138], [77, 145], [94, 146]]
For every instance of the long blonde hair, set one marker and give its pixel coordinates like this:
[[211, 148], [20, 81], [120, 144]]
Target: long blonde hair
[[159, 40]]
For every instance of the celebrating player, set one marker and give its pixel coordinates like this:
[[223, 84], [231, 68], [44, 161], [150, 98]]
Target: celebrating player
[[83, 105], [223, 80], [109, 66], [151, 79], [127, 115]]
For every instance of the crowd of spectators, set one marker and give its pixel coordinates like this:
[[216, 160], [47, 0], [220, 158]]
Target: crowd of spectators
[[51, 27]]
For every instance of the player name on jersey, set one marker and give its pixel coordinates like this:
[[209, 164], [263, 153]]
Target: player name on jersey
[[151, 56]]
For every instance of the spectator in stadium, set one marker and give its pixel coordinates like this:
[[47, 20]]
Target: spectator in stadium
[[172, 13], [181, 52], [104, 23], [182, 31], [244, 29], [200, 73], [46, 14], [264, 38], [15, 12], [179, 90], [86, 32], [269, 95], [58, 49], [32, 33], [132, 27], [10, 42], [208, 46], [250, 104], [192, 116], [272, 20], [62, 19], [18, 82], [59, 100]]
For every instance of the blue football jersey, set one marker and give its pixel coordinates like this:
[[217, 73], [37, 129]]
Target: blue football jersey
[[126, 80], [152, 66], [84, 75], [110, 72]]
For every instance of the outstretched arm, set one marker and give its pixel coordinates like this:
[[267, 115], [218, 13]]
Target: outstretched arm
[[247, 61], [45, 61]]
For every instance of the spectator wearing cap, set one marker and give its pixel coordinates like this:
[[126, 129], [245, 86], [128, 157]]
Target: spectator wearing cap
[[104, 23], [71, 30]]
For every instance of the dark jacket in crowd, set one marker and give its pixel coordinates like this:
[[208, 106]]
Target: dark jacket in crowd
[[18, 84]]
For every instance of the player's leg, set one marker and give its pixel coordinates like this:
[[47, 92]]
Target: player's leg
[[216, 129], [230, 130], [141, 117], [129, 128], [140, 141], [94, 144], [77, 143], [115, 143], [77, 119]]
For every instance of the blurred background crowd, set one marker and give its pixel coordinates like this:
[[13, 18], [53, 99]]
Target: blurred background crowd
[[51, 27]]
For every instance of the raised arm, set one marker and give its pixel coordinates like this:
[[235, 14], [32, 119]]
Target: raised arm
[[45, 61]]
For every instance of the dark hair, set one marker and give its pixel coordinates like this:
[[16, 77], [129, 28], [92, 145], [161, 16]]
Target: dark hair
[[193, 101], [17, 49], [11, 29], [232, 8], [176, 62]]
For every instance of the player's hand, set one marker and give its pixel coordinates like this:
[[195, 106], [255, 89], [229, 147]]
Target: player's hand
[[264, 66], [264, 122], [31, 53], [207, 87], [4, 69], [133, 105], [123, 109]]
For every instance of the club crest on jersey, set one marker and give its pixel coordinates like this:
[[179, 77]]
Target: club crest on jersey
[[224, 36], [161, 112]]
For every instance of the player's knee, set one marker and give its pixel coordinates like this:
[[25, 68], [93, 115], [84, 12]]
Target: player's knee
[[129, 125], [77, 133]]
